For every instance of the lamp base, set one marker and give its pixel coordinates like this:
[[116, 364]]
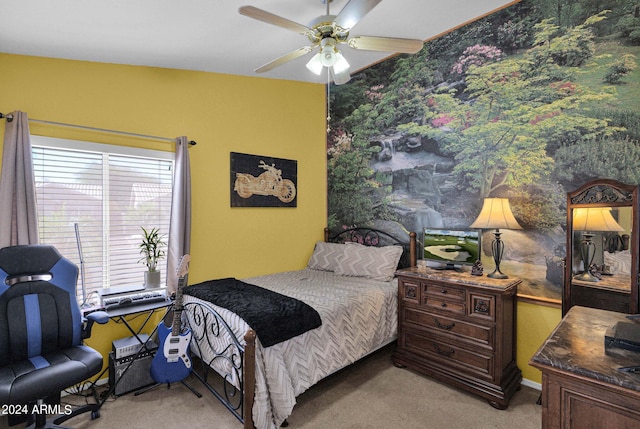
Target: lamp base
[[496, 274], [586, 277], [587, 252], [497, 249]]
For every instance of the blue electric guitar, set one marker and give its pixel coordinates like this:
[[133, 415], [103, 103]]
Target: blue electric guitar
[[171, 362]]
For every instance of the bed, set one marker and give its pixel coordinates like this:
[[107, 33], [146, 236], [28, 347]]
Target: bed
[[258, 369]]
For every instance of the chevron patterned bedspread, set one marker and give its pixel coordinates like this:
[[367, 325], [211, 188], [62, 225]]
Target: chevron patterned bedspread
[[359, 315]]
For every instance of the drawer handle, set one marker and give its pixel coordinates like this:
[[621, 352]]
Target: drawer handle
[[444, 304], [443, 291], [441, 326], [482, 307], [447, 353]]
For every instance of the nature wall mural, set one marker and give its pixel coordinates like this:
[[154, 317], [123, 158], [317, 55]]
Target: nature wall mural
[[527, 103]]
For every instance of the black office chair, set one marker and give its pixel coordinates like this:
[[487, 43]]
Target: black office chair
[[41, 332]]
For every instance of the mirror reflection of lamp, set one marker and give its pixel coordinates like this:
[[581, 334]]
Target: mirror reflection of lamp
[[590, 220], [495, 214]]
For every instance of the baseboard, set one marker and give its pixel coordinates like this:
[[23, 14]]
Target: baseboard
[[531, 384]]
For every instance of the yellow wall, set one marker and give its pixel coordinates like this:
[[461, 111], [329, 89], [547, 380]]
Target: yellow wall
[[223, 114], [535, 323]]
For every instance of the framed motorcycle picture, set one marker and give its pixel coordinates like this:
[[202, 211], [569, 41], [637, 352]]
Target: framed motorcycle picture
[[263, 181]]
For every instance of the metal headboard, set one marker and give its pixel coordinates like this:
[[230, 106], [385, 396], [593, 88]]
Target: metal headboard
[[377, 238]]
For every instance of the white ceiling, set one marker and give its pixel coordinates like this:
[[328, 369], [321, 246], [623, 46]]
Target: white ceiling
[[210, 35]]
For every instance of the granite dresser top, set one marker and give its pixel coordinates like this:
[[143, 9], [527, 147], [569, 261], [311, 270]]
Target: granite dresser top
[[577, 346], [462, 277]]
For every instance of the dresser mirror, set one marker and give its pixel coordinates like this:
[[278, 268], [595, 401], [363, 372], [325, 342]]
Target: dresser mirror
[[601, 269]]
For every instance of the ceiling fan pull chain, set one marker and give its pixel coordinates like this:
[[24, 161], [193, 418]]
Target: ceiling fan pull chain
[[328, 101]]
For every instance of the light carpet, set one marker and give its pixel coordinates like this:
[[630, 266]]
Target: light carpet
[[371, 394]]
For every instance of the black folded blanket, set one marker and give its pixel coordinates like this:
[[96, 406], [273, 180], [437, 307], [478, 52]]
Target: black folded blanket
[[274, 317]]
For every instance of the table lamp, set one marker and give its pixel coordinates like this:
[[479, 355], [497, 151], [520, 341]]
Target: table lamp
[[589, 220], [495, 214]]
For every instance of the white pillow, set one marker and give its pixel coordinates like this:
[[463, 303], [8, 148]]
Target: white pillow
[[378, 263], [325, 256], [620, 262]]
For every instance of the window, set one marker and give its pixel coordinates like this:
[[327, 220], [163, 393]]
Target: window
[[107, 193]]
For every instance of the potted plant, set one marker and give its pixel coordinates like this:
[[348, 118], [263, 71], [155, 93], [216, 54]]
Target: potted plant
[[152, 250]]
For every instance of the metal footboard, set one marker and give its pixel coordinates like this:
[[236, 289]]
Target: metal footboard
[[224, 365]]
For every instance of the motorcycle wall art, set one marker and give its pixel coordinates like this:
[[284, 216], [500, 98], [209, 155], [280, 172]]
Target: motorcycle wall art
[[262, 181]]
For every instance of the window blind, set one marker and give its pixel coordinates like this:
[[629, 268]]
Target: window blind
[[109, 192]]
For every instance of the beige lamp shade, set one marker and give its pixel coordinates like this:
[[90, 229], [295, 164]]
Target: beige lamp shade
[[495, 214], [594, 219]]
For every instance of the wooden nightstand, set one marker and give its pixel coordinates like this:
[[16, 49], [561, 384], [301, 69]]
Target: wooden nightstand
[[459, 329]]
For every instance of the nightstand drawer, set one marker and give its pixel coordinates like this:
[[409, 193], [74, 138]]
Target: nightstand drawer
[[475, 335], [444, 292], [434, 303], [409, 291], [482, 306], [442, 353]]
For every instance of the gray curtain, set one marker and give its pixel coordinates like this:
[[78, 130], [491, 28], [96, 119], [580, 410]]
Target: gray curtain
[[18, 210], [180, 223]]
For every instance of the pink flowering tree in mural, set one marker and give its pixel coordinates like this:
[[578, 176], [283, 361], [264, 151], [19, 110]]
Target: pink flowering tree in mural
[[476, 55]]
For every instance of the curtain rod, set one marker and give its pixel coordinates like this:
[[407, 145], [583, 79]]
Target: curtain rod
[[9, 118]]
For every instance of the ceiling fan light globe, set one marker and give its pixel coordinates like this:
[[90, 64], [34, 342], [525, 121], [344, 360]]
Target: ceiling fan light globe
[[341, 78], [315, 65], [328, 56], [341, 64]]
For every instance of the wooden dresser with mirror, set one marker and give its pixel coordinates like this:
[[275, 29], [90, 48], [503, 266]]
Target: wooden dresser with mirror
[[601, 269]]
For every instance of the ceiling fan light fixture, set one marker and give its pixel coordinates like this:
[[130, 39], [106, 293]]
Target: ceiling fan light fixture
[[341, 64], [315, 65], [340, 78], [328, 57], [328, 52]]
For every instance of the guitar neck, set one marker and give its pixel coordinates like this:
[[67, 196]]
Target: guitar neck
[[177, 309]]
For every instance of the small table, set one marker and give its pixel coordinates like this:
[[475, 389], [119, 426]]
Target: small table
[[581, 384], [119, 316]]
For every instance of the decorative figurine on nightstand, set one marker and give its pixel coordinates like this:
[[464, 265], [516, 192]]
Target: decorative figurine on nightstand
[[477, 268], [595, 271]]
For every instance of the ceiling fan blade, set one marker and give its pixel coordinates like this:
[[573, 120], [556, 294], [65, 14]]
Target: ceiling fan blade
[[386, 44], [270, 18], [284, 59], [353, 12]]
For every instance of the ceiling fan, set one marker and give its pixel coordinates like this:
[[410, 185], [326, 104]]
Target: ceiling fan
[[327, 32]]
